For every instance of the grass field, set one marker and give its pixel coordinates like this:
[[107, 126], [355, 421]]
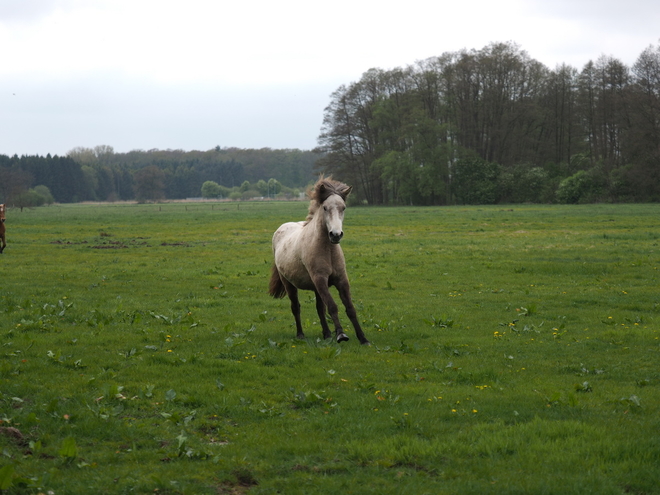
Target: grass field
[[514, 350]]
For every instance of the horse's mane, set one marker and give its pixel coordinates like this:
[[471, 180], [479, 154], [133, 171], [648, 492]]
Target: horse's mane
[[322, 190]]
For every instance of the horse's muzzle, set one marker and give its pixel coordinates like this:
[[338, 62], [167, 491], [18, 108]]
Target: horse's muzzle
[[335, 238]]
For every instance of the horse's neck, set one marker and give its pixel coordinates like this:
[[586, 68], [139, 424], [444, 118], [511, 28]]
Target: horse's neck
[[316, 222], [316, 230]]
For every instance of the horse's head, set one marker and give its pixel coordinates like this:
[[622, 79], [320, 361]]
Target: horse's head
[[329, 198], [333, 215], [2, 212]]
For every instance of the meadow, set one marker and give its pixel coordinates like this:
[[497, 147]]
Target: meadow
[[515, 349]]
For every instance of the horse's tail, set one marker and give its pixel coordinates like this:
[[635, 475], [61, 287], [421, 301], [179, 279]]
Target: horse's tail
[[276, 287]]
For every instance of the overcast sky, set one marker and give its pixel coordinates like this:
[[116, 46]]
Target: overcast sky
[[194, 74]]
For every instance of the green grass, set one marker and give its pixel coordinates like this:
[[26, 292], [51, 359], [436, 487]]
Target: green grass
[[515, 350]]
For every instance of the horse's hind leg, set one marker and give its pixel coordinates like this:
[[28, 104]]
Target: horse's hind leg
[[320, 309], [292, 292]]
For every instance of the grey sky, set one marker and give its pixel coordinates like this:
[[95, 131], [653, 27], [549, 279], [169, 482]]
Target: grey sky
[[143, 74]]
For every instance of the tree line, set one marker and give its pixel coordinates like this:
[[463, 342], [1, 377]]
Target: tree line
[[473, 126], [101, 174], [494, 125]]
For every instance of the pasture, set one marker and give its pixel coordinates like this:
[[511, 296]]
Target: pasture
[[514, 350]]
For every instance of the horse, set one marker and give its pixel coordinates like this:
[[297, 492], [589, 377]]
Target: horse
[[308, 257], [2, 228]]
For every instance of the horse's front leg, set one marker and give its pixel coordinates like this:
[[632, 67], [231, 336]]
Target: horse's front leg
[[320, 309], [345, 295], [322, 289]]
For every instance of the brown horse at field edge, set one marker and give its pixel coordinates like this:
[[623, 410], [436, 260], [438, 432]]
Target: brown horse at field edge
[[2, 229]]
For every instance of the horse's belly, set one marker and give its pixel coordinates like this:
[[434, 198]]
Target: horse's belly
[[300, 280]]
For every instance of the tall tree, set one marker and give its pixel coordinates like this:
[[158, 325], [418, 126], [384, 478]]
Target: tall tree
[[13, 180], [641, 176], [150, 184]]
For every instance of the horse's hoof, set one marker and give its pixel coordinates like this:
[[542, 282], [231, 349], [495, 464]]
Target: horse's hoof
[[365, 342], [342, 337]]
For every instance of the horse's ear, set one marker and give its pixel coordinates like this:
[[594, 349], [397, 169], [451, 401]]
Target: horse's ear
[[322, 192], [344, 194]]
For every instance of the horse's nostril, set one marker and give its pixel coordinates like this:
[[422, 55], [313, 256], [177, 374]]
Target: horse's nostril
[[335, 238]]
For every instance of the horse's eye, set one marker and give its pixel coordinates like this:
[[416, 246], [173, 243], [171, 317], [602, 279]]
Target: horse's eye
[[325, 208]]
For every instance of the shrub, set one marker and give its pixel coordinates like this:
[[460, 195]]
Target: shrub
[[526, 184], [211, 189], [250, 193], [475, 181], [44, 192], [582, 187]]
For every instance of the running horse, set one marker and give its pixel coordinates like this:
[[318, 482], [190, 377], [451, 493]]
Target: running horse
[[308, 257], [2, 229]]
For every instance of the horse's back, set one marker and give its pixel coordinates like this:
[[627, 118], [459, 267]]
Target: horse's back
[[286, 234], [286, 242]]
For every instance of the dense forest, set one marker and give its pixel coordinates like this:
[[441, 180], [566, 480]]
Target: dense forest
[[494, 125], [100, 174], [475, 126]]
